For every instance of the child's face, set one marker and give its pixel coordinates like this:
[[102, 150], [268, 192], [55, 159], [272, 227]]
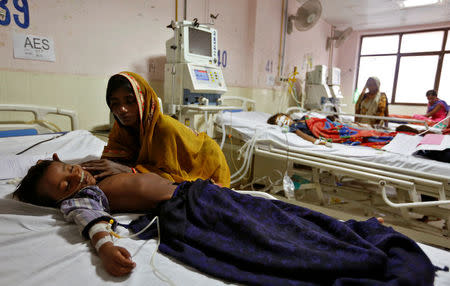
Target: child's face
[[61, 181], [283, 120]]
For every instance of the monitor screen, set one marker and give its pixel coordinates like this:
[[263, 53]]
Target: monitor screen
[[201, 74], [199, 42]]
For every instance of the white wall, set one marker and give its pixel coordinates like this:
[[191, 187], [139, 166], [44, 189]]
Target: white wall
[[95, 39]]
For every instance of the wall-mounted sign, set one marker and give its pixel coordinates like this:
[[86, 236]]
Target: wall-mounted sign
[[32, 47]]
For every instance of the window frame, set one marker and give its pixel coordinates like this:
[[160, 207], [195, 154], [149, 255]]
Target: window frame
[[399, 55]]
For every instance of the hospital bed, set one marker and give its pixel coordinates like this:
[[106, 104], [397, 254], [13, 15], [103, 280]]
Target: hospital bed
[[345, 178], [37, 247], [393, 120]]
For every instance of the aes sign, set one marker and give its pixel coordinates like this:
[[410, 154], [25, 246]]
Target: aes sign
[[31, 47]]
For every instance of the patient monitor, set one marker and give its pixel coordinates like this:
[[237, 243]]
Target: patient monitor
[[323, 89], [191, 73]]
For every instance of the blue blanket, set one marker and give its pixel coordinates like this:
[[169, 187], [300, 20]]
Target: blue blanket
[[257, 241]]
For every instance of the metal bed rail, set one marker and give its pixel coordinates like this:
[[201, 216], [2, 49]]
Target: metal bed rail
[[40, 112], [396, 179]]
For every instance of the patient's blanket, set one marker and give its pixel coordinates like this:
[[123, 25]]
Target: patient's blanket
[[257, 241], [343, 133]]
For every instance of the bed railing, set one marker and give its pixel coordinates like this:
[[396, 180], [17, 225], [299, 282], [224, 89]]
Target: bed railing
[[412, 181], [40, 112], [409, 180], [245, 103], [294, 109], [347, 174]]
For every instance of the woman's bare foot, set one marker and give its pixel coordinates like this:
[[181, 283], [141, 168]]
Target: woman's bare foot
[[380, 219]]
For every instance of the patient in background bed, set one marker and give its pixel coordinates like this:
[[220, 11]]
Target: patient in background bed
[[329, 129], [437, 109], [298, 127], [226, 234]]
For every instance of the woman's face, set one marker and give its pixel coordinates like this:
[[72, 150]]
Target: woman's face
[[124, 106], [372, 85], [431, 99]]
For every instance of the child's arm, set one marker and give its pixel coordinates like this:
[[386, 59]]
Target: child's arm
[[116, 260], [312, 139], [305, 136], [89, 210]]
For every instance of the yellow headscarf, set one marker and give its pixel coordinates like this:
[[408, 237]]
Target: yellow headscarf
[[165, 146]]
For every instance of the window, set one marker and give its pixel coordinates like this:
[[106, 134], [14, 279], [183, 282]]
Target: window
[[444, 85], [407, 64], [416, 75]]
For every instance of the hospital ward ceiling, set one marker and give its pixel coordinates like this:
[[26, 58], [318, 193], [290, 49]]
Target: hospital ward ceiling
[[374, 14]]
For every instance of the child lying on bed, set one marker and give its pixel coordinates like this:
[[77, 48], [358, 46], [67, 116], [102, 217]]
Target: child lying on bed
[[236, 237], [298, 127], [322, 130]]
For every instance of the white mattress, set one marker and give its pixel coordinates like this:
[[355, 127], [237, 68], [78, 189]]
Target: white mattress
[[74, 146], [37, 247], [250, 123]]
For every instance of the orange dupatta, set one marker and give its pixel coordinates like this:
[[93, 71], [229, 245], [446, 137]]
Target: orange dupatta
[[165, 146]]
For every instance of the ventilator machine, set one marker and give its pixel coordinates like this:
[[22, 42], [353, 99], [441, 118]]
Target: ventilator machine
[[323, 89], [192, 75]]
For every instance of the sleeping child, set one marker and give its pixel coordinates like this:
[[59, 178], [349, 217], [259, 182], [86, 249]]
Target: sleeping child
[[236, 237], [320, 131]]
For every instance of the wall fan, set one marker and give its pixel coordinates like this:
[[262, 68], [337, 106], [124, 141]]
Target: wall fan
[[306, 17], [338, 37]]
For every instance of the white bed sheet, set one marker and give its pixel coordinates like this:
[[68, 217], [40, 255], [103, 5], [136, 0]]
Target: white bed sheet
[[79, 145], [250, 123], [37, 247]]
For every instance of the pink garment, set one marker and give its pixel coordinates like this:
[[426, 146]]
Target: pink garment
[[420, 117], [441, 114], [438, 116]]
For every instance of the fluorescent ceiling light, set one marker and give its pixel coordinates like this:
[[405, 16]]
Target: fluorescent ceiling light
[[416, 3]]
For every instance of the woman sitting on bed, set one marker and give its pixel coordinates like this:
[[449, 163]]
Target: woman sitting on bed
[[437, 109], [144, 140], [328, 129], [237, 237]]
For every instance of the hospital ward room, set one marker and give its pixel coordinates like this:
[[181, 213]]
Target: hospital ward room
[[225, 142]]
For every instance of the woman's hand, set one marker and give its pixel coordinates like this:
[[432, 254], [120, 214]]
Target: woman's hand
[[105, 168], [116, 260], [365, 88]]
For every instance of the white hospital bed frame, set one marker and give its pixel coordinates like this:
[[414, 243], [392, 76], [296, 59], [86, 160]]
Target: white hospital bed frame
[[362, 184], [39, 113]]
